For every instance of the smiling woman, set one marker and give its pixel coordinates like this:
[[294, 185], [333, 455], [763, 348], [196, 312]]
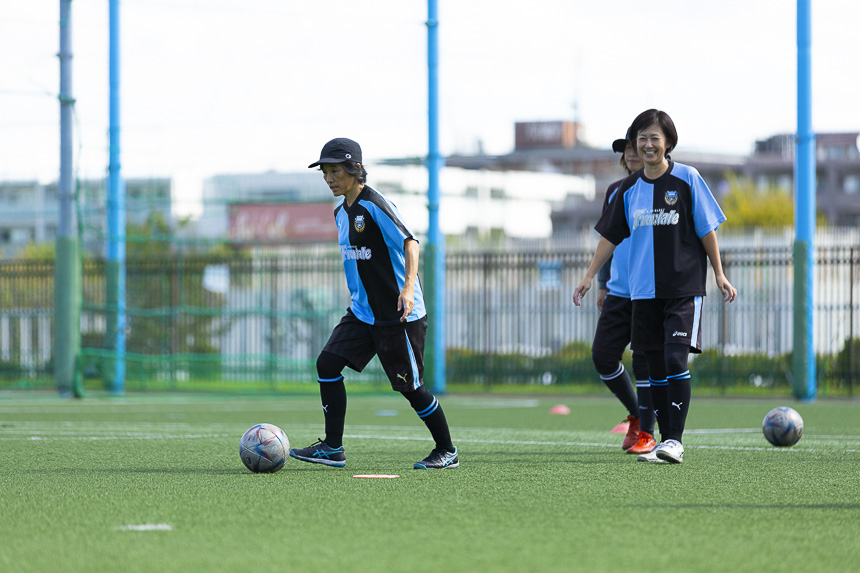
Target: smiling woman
[[654, 143], [671, 218]]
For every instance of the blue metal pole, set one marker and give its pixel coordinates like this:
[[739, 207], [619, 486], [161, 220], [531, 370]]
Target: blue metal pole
[[435, 251], [803, 360], [116, 214]]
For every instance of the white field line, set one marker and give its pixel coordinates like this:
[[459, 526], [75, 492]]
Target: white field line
[[87, 431], [545, 443], [145, 527], [76, 427], [235, 406], [130, 436], [133, 408]]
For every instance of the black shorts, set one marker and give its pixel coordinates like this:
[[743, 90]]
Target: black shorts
[[400, 348], [658, 322], [613, 327]]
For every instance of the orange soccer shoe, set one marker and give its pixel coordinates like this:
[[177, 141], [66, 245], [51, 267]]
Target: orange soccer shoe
[[643, 445], [632, 433]]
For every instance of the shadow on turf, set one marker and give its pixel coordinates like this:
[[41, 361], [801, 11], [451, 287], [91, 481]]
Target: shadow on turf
[[202, 471], [674, 506], [572, 457]]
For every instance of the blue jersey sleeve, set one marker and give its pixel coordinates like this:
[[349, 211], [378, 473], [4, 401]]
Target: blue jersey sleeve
[[390, 222], [707, 215]]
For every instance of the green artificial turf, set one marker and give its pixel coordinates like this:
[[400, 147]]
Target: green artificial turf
[[154, 483]]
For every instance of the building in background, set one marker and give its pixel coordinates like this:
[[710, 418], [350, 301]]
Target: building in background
[[29, 210], [298, 207], [267, 207], [558, 147], [483, 203], [837, 173], [551, 184]]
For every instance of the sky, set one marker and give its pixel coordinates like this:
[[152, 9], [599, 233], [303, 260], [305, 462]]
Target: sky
[[220, 86]]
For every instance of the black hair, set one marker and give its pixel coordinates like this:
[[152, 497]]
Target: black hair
[[662, 119], [356, 170]]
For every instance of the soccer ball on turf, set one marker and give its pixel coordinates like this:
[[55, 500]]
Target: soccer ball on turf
[[264, 448], [782, 426]]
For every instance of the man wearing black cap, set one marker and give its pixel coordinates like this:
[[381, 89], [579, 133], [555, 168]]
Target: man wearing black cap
[[614, 329], [387, 317]]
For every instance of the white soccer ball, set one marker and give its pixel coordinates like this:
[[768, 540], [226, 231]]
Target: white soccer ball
[[264, 448], [782, 426]]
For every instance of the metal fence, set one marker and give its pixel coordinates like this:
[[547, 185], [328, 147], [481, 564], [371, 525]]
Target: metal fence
[[261, 318]]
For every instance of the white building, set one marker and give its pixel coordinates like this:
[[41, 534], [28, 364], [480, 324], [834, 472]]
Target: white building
[[290, 206], [29, 210], [516, 203]]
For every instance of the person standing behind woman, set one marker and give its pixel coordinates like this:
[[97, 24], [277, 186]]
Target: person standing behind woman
[[612, 334], [671, 218], [387, 317]]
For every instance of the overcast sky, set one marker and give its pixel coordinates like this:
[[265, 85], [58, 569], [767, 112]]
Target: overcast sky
[[221, 86]]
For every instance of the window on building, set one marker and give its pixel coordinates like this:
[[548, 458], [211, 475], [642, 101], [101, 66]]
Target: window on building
[[21, 236], [836, 152], [851, 184]]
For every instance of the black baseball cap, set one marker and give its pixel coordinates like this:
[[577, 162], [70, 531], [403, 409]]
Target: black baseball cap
[[619, 144], [339, 150]]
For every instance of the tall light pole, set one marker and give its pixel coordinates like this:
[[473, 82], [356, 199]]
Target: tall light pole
[[115, 268], [67, 262], [803, 355], [435, 251]]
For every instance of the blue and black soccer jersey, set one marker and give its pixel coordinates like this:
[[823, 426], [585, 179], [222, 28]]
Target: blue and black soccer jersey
[[371, 233], [665, 219], [617, 278]]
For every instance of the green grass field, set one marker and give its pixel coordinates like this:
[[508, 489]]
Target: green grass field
[[154, 483]]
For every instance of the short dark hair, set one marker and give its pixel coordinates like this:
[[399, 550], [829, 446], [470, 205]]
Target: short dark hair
[[662, 119], [356, 170]]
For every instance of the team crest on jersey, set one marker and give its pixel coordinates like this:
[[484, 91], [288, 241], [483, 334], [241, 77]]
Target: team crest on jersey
[[671, 197], [359, 223]]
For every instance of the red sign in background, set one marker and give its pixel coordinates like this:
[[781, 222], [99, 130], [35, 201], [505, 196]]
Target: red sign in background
[[282, 222]]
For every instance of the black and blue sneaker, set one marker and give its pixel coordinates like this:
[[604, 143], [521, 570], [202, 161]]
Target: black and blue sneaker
[[320, 453], [439, 460]]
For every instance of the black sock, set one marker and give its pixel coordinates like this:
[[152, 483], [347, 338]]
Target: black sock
[[680, 390], [428, 409], [647, 419], [659, 391], [333, 395], [660, 399], [619, 384]]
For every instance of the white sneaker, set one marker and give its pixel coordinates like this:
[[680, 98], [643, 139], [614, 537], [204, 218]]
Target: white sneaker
[[671, 451], [651, 458]]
